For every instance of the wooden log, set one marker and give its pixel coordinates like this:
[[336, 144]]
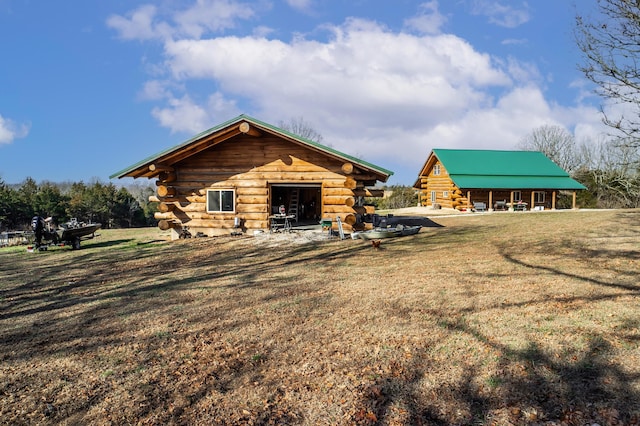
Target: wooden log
[[347, 168], [190, 207], [252, 191], [240, 208], [338, 200], [160, 168], [368, 192], [248, 130], [364, 209], [251, 199], [167, 177], [166, 191], [252, 208], [189, 217], [164, 216], [207, 172], [227, 224], [166, 207], [167, 224], [183, 199], [350, 183], [350, 219], [337, 208], [334, 183], [193, 198], [336, 192]]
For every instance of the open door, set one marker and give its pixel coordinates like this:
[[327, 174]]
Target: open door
[[301, 200]]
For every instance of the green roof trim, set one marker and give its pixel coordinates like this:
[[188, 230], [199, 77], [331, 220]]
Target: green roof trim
[[488, 169], [244, 117]]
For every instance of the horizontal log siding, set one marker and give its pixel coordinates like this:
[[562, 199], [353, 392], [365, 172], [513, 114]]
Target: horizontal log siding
[[440, 184], [249, 166]]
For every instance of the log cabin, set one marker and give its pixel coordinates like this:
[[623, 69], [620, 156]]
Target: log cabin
[[495, 180], [236, 176]]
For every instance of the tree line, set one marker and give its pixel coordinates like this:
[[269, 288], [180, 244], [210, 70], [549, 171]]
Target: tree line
[[609, 168], [100, 202]]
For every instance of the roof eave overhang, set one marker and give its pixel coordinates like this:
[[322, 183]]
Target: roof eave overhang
[[165, 160]]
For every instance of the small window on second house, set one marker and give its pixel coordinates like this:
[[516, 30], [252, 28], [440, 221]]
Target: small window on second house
[[436, 170], [221, 200], [539, 196], [517, 196]]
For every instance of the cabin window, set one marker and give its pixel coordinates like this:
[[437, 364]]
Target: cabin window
[[221, 200], [436, 170], [517, 196], [433, 197], [539, 196], [445, 194]]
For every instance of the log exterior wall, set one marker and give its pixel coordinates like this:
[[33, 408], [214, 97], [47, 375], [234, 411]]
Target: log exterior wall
[[251, 166], [447, 194]]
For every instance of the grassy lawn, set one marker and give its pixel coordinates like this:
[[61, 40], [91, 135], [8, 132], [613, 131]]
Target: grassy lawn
[[506, 318]]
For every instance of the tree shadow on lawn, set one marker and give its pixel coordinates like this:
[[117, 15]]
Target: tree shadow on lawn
[[56, 282], [529, 387]]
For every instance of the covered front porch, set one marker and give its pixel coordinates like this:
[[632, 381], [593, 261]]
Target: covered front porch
[[515, 199]]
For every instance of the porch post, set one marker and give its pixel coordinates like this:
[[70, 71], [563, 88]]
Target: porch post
[[490, 200], [469, 199], [533, 200], [553, 200], [511, 201], [573, 204]]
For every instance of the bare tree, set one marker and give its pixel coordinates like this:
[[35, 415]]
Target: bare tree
[[298, 126], [609, 173], [556, 143], [610, 45]]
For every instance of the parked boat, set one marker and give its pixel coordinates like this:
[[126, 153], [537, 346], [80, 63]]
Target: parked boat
[[73, 232], [380, 233], [410, 230]]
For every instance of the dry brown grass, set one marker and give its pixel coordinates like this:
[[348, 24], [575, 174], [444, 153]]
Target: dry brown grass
[[490, 319]]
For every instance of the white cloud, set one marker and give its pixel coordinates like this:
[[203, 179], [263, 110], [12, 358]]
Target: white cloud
[[204, 16], [154, 90], [211, 16], [304, 6], [262, 31], [388, 96], [185, 115], [509, 16], [182, 115], [10, 130], [428, 20], [138, 25]]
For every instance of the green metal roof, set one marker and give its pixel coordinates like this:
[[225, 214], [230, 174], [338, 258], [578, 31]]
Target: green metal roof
[[487, 169], [243, 117]]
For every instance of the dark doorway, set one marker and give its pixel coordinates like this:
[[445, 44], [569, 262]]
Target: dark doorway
[[301, 200]]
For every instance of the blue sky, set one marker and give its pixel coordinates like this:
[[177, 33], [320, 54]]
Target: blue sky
[[89, 87]]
